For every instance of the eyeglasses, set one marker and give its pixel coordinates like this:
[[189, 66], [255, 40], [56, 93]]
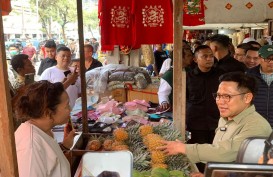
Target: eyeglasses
[[268, 59], [225, 97]]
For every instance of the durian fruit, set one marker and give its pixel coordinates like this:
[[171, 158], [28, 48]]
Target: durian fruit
[[152, 141], [94, 145], [107, 144], [159, 165], [120, 147], [158, 157], [120, 134], [145, 130]]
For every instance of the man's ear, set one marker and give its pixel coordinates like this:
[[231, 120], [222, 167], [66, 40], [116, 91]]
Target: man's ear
[[248, 97], [20, 71], [195, 59]]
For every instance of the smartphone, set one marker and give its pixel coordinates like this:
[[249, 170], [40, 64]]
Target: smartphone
[[67, 72], [29, 78]]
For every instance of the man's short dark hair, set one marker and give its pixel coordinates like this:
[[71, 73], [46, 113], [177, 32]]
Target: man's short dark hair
[[63, 48], [221, 39], [201, 47], [253, 49], [89, 46], [244, 46], [254, 43], [245, 82], [50, 44], [17, 61]]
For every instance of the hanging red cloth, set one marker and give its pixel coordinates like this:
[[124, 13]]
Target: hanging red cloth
[[153, 21], [193, 12], [5, 7], [116, 23]]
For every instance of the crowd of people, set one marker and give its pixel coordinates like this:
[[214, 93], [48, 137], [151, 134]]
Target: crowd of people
[[242, 98], [38, 106], [228, 93]]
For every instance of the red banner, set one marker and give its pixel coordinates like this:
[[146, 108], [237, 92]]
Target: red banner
[[153, 21], [116, 22], [5, 7], [193, 12], [135, 22]]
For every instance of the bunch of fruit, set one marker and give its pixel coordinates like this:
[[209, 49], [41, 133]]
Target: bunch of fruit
[[152, 141], [142, 141], [110, 144]]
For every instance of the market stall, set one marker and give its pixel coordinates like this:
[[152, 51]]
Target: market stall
[[8, 153]]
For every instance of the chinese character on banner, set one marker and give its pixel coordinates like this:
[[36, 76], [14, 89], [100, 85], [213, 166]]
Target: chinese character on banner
[[153, 21], [6, 7], [193, 12]]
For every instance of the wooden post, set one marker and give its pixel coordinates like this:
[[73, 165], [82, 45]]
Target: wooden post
[[82, 67], [179, 78], [8, 162]]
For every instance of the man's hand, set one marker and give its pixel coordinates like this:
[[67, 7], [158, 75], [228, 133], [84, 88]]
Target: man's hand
[[71, 78], [165, 106], [197, 174], [172, 147]]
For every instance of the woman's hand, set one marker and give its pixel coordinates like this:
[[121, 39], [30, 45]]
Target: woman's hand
[[69, 135]]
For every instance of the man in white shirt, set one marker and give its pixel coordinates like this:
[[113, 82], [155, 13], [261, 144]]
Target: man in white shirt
[[58, 74]]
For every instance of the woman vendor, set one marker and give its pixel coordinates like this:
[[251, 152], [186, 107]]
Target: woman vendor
[[43, 105]]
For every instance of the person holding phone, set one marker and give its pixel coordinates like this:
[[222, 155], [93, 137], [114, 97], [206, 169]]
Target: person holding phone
[[24, 69], [38, 153], [63, 73]]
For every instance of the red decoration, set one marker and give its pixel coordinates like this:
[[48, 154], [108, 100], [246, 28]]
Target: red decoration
[[116, 23], [153, 21], [270, 5], [249, 5], [135, 22], [6, 7], [193, 12], [228, 6]]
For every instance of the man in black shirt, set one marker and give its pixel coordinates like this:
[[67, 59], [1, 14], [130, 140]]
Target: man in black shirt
[[220, 48], [90, 62], [50, 50], [160, 56]]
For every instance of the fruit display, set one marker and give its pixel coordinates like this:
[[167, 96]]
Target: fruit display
[[142, 141]]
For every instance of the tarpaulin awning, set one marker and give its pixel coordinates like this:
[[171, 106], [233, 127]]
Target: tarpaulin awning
[[238, 11]]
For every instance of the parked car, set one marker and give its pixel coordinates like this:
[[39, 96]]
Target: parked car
[[19, 43]]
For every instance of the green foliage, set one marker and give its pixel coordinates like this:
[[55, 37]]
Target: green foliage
[[90, 19]]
